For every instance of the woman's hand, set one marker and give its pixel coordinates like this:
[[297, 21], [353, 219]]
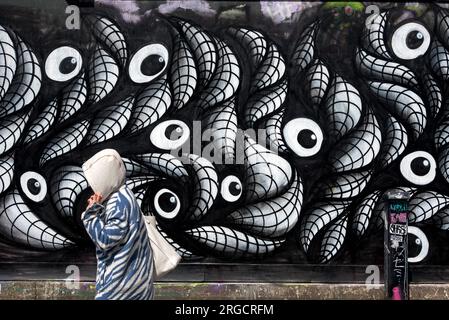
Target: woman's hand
[[95, 198]]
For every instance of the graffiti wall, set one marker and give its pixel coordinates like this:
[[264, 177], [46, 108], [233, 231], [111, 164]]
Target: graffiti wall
[[250, 130]]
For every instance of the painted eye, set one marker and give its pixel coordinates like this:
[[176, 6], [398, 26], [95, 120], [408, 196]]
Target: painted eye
[[170, 134], [63, 64], [418, 167], [166, 203], [33, 185], [418, 245], [303, 136], [231, 188], [148, 63], [410, 41]]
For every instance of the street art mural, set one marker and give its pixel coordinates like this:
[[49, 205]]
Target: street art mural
[[241, 143]]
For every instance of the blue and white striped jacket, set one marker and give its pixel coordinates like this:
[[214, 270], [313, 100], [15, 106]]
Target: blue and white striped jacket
[[124, 256]]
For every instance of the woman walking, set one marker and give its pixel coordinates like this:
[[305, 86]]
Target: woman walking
[[116, 226]]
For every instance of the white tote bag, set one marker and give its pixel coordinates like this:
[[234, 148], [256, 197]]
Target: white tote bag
[[164, 255]]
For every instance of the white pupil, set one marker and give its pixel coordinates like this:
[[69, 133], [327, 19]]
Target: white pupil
[[313, 137], [426, 163], [237, 187]]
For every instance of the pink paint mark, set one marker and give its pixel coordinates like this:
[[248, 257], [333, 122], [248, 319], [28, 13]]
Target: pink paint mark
[[398, 217], [396, 293], [129, 10]]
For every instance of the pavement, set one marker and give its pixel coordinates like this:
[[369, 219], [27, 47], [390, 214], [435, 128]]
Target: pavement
[[71, 275]]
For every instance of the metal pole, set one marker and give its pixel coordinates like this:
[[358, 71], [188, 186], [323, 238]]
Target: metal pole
[[396, 245]]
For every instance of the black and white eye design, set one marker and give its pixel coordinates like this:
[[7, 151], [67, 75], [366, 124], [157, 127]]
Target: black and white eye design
[[33, 185], [233, 243], [166, 203], [148, 63], [418, 167], [170, 134], [410, 41], [303, 136], [231, 188], [63, 64], [419, 243], [19, 224]]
